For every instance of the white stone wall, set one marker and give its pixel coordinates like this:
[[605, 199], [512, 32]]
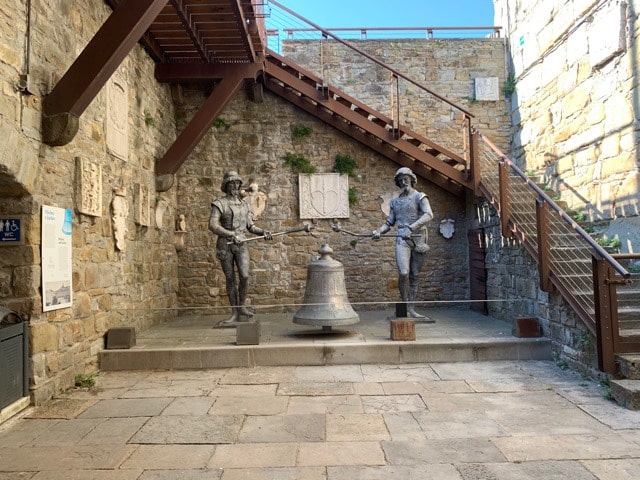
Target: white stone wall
[[576, 105]]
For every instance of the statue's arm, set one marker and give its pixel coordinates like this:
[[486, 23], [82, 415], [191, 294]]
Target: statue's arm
[[427, 214], [214, 222]]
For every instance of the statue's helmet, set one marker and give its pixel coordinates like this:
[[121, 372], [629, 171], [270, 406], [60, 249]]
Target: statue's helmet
[[406, 171], [230, 177]]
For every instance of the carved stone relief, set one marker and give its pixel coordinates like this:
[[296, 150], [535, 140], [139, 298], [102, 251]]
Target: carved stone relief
[[117, 117], [487, 89], [119, 214], [324, 195], [142, 205], [88, 187], [257, 200]]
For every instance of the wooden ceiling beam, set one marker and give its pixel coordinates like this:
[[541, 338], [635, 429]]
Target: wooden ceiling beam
[[93, 67]]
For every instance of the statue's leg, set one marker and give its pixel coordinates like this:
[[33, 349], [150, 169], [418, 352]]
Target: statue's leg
[[243, 287], [417, 260], [232, 292], [402, 262]]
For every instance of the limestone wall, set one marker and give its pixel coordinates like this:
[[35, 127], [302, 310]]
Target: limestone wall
[[111, 286], [575, 106]]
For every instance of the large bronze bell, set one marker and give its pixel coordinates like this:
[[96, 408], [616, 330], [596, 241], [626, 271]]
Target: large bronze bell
[[325, 298]]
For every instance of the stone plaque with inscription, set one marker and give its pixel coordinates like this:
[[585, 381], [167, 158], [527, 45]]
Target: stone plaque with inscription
[[487, 89], [88, 187], [117, 118], [142, 204]]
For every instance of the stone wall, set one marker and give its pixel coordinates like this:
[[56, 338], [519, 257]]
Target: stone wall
[[111, 286], [447, 67], [575, 105]]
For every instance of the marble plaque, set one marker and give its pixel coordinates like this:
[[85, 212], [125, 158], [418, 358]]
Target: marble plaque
[[88, 187], [487, 89], [607, 33], [142, 204], [324, 195], [117, 117]]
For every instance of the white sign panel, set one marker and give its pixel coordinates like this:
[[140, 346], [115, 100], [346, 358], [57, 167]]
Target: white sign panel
[[56, 258]]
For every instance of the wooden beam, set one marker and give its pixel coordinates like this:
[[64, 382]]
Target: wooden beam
[[199, 72], [200, 123], [93, 67]]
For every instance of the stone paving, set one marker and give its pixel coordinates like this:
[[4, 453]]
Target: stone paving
[[478, 420]]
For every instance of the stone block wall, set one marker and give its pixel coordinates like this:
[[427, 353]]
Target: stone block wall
[[111, 287], [575, 105]]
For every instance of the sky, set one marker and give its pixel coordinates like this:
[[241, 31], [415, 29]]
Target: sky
[[394, 13]]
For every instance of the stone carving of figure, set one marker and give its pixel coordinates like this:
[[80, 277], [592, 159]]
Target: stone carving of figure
[[230, 219], [119, 213], [182, 223], [257, 200], [409, 212]]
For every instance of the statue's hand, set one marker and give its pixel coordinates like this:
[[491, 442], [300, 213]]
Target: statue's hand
[[236, 240], [375, 235], [405, 233], [267, 235]]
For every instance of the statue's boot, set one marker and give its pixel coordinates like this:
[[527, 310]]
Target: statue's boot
[[235, 316], [246, 311], [233, 301], [242, 296], [411, 311]]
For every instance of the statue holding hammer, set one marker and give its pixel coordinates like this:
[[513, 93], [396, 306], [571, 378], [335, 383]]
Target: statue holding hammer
[[230, 219]]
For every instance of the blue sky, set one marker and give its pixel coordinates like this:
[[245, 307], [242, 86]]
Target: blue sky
[[395, 13]]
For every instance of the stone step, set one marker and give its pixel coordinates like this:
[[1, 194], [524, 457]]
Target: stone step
[[629, 366], [626, 393], [339, 353]]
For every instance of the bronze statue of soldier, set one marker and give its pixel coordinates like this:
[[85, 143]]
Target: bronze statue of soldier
[[409, 212], [230, 219]]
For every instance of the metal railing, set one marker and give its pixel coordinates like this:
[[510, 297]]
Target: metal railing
[[569, 260]]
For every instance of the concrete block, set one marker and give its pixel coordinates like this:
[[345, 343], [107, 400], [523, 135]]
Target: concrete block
[[403, 329], [121, 337], [248, 333]]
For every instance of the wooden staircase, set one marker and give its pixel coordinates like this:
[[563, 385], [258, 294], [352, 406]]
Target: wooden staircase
[[379, 132]]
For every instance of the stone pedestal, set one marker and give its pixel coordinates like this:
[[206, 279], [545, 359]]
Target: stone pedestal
[[248, 333]]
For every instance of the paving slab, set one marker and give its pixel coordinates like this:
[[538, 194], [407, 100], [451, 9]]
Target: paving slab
[[324, 404], [254, 455], [195, 474], [255, 405], [67, 458], [468, 450], [189, 429], [341, 453], [283, 428], [526, 471], [170, 457], [431, 472], [127, 408], [287, 473], [363, 427], [617, 469]]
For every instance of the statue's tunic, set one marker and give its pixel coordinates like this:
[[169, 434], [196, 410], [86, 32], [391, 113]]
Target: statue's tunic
[[411, 212]]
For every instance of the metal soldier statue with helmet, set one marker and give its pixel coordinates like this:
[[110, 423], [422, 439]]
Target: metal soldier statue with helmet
[[230, 219], [409, 212]]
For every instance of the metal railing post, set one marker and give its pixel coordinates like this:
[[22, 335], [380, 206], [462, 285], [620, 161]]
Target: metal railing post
[[505, 214], [544, 246], [604, 315]]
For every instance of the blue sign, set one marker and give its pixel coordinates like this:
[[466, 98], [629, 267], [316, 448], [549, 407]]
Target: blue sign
[[10, 230]]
